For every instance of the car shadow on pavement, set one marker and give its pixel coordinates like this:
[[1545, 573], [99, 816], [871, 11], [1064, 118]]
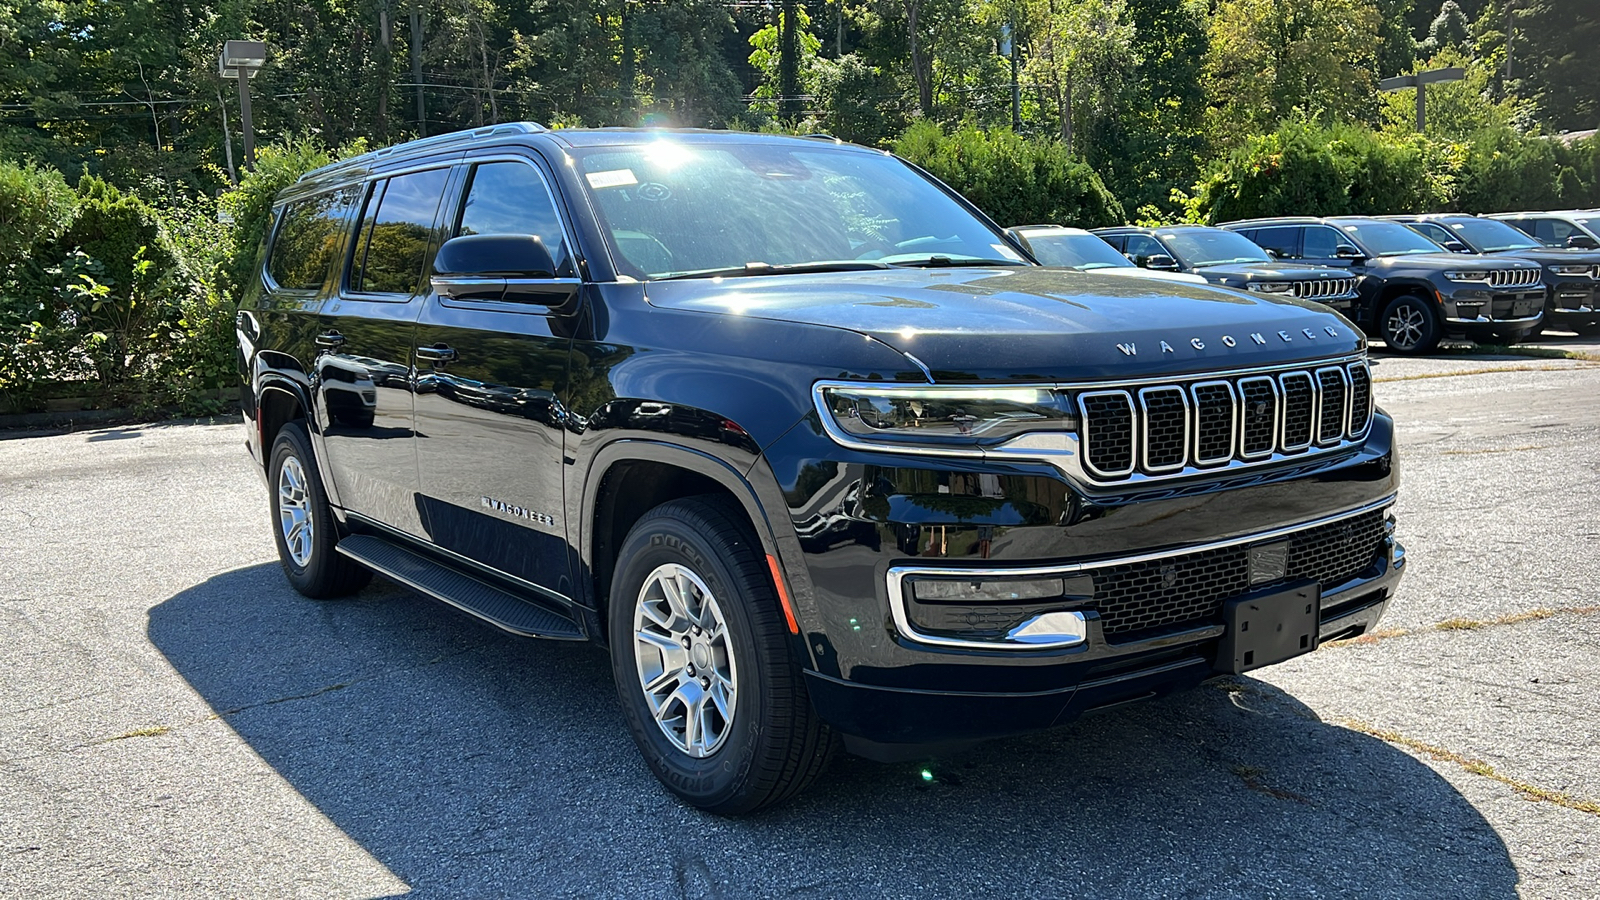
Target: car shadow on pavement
[[471, 763]]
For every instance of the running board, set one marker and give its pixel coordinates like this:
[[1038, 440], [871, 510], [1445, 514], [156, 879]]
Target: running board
[[498, 607]]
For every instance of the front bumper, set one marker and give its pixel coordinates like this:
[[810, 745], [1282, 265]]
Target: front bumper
[[1573, 303], [1482, 313]]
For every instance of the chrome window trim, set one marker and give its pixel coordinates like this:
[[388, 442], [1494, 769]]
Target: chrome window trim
[[1133, 435], [1145, 437], [1344, 414], [1277, 417], [897, 575], [1316, 410], [1233, 422]]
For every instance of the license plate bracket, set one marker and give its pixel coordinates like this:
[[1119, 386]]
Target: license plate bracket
[[1270, 626]]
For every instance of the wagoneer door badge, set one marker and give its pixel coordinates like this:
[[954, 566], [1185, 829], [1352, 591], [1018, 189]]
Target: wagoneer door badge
[[1129, 348], [500, 506]]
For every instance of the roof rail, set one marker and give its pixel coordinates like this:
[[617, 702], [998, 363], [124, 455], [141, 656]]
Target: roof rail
[[436, 142]]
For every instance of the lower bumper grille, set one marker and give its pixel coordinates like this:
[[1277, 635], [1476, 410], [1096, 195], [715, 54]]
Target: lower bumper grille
[[1189, 589]]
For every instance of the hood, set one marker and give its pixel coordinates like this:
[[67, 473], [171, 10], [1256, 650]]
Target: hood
[[1552, 256], [1157, 274], [1281, 270], [1033, 324], [1469, 262]]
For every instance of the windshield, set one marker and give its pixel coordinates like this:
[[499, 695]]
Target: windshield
[[1076, 251], [1391, 239], [1490, 236], [687, 209], [1592, 223], [1213, 247]]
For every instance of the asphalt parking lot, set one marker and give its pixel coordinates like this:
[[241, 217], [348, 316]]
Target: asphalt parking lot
[[178, 722]]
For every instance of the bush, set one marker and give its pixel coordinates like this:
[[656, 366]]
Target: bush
[[1016, 180], [249, 206], [36, 205], [850, 94], [1306, 170]]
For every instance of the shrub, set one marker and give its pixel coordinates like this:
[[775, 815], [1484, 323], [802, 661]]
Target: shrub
[[249, 206], [1504, 170], [1302, 169], [36, 205], [850, 95], [1016, 180]]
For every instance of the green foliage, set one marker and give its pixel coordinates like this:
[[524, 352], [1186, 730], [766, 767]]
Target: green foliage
[[1016, 180], [1302, 169], [1506, 171], [850, 99], [35, 206], [1456, 109], [249, 206]]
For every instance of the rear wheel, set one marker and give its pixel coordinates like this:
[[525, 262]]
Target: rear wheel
[[709, 686], [305, 530], [1410, 325]]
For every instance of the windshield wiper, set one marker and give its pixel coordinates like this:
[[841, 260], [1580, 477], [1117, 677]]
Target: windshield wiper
[[941, 262], [761, 268]]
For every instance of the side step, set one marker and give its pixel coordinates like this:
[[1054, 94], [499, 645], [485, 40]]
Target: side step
[[495, 606]]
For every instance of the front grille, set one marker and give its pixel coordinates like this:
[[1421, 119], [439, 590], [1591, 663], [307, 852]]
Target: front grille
[[1188, 590], [1325, 288], [1173, 428], [1512, 278]]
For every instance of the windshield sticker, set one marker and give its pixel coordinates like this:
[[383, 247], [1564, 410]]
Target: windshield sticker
[[612, 178], [1006, 252]]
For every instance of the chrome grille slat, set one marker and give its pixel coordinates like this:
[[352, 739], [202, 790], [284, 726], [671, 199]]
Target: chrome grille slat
[[1513, 278], [1195, 425]]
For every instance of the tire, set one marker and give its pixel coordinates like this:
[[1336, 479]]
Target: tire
[[299, 504], [763, 744], [1410, 326]]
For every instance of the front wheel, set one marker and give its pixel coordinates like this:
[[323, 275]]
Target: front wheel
[[1410, 325], [709, 686], [305, 530]]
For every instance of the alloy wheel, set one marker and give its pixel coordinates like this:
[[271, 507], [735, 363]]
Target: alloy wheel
[[294, 511], [685, 660], [1405, 327]]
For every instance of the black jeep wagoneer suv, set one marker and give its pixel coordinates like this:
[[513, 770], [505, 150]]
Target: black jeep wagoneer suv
[[791, 429]]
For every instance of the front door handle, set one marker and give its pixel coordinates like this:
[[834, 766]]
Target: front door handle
[[436, 353], [329, 339]]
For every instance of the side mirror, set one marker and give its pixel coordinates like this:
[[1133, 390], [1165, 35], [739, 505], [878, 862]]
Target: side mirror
[[1456, 247], [1272, 254], [1582, 242], [1350, 252], [1160, 262], [506, 267]]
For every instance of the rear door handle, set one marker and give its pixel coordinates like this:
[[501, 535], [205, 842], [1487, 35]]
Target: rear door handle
[[329, 339], [436, 353]]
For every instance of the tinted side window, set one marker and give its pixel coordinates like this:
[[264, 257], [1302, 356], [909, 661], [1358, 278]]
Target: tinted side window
[[1322, 242], [1436, 233], [308, 240], [396, 237], [1141, 247], [511, 198], [1559, 231], [1283, 241], [1117, 241]]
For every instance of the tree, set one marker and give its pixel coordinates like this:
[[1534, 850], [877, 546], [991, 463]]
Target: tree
[[1448, 29], [1456, 109], [1081, 50], [1269, 57]]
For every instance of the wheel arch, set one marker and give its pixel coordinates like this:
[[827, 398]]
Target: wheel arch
[[277, 403], [630, 477]]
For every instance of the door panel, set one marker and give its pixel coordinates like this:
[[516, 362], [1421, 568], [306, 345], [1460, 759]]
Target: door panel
[[364, 373], [490, 424]]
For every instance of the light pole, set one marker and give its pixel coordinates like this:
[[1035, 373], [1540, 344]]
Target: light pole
[[1420, 81], [242, 60]]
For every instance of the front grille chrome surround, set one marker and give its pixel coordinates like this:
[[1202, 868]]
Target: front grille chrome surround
[[1108, 404], [1333, 408], [1325, 289], [1211, 449], [1157, 402]]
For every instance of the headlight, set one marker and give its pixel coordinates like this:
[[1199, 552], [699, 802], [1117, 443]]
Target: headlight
[[1572, 270], [959, 418], [1469, 277], [1270, 287]]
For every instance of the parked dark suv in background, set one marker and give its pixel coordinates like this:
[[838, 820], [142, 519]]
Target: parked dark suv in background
[[1571, 277], [1413, 292], [1221, 258], [1575, 229], [793, 431]]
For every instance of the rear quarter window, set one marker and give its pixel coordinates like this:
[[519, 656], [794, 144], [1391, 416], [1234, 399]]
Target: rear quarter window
[[307, 240]]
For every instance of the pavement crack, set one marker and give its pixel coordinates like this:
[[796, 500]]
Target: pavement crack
[[1475, 766]]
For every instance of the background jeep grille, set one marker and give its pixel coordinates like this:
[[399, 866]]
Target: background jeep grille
[[1325, 288], [1188, 590], [1249, 419], [1510, 278]]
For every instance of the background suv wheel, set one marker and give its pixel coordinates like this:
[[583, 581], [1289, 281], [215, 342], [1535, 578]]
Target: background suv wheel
[[709, 686], [1410, 325], [303, 526]]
